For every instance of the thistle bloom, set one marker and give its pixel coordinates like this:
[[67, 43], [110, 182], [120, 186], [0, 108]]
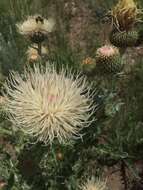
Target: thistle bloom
[[93, 184], [48, 104], [107, 51], [36, 28]]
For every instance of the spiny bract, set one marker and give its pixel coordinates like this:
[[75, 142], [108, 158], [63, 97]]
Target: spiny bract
[[124, 39]]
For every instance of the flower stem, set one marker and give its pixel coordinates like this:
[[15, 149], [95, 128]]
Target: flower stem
[[40, 48]]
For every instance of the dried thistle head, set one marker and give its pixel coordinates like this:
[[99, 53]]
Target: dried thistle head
[[49, 105], [108, 60], [93, 184], [36, 28], [125, 14]]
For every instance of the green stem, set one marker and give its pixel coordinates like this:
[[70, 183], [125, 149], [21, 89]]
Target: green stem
[[40, 49]]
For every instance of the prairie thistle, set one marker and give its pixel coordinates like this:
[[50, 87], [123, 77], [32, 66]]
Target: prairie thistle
[[49, 105]]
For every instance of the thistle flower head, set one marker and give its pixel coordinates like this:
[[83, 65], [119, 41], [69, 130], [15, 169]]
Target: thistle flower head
[[107, 51], [125, 14], [36, 25], [48, 104], [93, 184]]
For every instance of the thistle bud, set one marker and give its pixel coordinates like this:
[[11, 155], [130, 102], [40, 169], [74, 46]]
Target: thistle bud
[[108, 59], [124, 39]]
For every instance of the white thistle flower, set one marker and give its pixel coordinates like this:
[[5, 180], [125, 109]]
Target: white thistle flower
[[36, 26], [93, 184], [49, 105]]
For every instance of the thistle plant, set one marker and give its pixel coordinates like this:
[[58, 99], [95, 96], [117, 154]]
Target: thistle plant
[[108, 59], [56, 107]]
